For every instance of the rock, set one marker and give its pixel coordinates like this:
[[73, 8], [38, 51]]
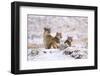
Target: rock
[[44, 52], [67, 52], [78, 56], [34, 52]]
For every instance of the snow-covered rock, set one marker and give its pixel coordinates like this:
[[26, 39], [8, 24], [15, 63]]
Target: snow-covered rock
[[57, 54], [77, 53]]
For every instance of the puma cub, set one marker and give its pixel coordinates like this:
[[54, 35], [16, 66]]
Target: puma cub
[[68, 42]]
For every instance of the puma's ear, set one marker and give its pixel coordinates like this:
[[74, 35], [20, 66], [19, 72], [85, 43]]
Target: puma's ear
[[57, 33], [60, 34], [49, 30], [44, 28]]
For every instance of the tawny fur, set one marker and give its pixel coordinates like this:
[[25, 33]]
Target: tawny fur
[[49, 40]]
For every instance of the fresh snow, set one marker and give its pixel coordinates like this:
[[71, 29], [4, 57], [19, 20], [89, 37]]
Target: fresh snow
[[56, 54], [51, 54]]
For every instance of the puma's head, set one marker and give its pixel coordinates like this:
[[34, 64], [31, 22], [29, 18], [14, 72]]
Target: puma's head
[[58, 35], [70, 39], [47, 30]]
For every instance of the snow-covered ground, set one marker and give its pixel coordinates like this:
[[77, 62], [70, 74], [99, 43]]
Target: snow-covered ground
[[56, 54], [50, 54]]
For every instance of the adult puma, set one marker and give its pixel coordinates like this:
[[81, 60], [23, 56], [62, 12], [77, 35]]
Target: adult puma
[[49, 40]]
